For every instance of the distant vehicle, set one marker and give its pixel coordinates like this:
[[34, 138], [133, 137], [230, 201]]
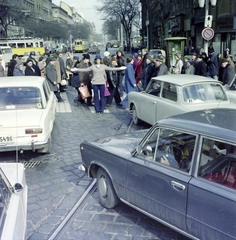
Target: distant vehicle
[[28, 111], [14, 193], [115, 43], [80, 45], [21, 45], [6, 54], [26, 55], [155, 52], [100, 44], [93, 48], [108, 44], [174, 94]]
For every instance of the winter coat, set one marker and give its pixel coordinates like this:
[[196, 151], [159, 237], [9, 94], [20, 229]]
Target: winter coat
[[178, 66], [190, 70], [84, 77], [57, 67], [18, 72], [35, 66], [75, 77], [201, 69], [51, 76], [228, 74], [130, 82], [42, 68], [11, 66], [163, 70], [62, 66], [148, 74], [30, 71], [138, 71], [213, 67]]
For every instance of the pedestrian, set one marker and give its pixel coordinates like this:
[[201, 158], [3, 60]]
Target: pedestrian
[[113, 89], [58, 69], [190, 68], [69, 65], [106, 59], [18, 69], [121, 61], [148, 71], [2, 68], [213, 66], [51, 76], [12, 64], [228, 73], [194, 59], [42, 66], [186, 50], [62, 65], [29, 69], [226, 53], [98, 81], [210, 48], [184, 68], [75, 79], [200, 67], [179, 64], [160, 66], [34, 64], [85, 78], [135, 56], [130, 82]]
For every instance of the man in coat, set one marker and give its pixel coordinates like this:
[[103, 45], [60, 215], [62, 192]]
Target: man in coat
[[228, 73], [51, 76], [12, 64], [213, 66], [201, 67], [35, 64]]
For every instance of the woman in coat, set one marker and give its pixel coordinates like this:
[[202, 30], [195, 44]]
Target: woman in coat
[[18, 69], [98, 81], [29, 70], [130, 82]]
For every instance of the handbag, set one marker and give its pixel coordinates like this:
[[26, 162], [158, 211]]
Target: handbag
[[106, 92], [84, 92]]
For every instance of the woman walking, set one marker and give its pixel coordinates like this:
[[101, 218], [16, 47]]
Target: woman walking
[[98, 81]]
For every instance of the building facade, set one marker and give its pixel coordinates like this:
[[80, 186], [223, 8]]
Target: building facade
[[184, 18]]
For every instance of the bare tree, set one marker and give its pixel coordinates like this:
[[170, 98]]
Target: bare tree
[[125, 12]]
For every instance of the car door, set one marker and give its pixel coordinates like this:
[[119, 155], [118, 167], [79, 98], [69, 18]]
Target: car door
[[211, 209], [149, 101], [159, 189]]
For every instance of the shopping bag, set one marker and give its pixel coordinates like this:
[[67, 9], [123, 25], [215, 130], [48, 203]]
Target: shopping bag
[[84, 92], [106, 92]]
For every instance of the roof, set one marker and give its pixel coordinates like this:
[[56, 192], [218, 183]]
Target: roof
[[219, 123], [24, 81], [185, 79]]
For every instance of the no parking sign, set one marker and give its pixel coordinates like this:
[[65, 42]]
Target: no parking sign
[[208, 33]]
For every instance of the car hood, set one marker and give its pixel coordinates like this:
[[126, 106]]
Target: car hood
[[20, 118], [122, 143]]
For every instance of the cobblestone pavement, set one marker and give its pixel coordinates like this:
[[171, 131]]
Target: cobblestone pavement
[[55, 184]]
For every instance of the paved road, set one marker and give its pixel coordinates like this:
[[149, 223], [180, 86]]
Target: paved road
[[55, 183]]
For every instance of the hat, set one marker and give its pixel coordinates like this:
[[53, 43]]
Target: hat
[[97, 57], [135, 55], [190, 61], [15, 56], [113, 59], [187, 57], [224, 60], [76, 58], [52, 59], [41, 58], [86, 56], [55, 55], [32, 53], [29, 60], [106, 54], [159, 59]]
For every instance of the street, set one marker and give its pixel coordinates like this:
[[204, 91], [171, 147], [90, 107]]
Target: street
[[56, 184]]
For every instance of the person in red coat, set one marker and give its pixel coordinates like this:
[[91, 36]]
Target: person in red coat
[[138, 69]]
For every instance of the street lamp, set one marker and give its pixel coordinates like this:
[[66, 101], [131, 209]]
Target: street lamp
[[201, 5]]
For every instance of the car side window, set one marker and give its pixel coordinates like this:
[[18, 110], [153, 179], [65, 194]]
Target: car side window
[[169, 91], [218, 162], [154, 88], [46, 91], [175, 149]]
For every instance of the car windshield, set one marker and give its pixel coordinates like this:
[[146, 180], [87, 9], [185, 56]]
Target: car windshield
[[20, 98], [203, 92]]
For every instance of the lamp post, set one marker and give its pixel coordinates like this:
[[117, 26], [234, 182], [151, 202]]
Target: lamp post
[[201, 5]]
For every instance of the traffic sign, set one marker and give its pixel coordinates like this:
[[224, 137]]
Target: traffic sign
[[208, 33]]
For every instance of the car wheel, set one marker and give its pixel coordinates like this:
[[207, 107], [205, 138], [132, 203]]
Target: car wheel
[[106, 191], [135, 116]]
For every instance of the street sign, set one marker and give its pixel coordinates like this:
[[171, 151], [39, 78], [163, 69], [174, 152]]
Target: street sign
[[208, 33], [208, 21]]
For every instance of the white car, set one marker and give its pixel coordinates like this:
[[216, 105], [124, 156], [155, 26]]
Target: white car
[[231, 90], [27, 110], [174, 94], [13, 195]]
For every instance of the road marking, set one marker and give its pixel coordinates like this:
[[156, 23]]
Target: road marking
[[63, 107]]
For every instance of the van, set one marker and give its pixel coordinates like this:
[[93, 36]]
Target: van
[[5, 54]]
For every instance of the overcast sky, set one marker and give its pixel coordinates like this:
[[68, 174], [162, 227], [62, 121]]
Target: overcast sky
[[88, 9]]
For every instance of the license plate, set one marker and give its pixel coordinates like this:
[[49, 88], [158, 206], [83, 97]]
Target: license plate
[[6, 139]]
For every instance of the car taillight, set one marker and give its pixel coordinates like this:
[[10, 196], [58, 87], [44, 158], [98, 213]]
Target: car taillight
[[33, 131]]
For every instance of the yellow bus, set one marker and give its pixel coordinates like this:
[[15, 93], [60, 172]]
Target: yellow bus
[[21, 45], [81, 45]]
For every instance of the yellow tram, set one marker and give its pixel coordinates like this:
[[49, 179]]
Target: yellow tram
[[81, 45]]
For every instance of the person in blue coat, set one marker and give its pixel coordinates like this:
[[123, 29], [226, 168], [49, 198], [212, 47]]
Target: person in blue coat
[[130, 82], [18, 69], [213, 66]]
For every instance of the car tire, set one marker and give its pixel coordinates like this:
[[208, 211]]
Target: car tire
[[136, 120], [107, 195]]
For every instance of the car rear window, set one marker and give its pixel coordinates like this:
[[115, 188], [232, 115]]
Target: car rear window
[[20, 98], [206, 92]]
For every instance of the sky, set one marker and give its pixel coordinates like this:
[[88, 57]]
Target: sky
[[88, 9]]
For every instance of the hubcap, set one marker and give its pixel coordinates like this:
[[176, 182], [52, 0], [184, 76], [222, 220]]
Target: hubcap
[[102, 186]]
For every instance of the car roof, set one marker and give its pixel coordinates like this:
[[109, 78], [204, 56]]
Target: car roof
[[22, 81], [218, 122], [184, 79]]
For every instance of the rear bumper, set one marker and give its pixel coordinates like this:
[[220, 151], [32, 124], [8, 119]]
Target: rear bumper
[[31, 146]]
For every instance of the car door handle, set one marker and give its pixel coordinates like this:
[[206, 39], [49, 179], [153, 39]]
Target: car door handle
[[178, 185], [154, 102]]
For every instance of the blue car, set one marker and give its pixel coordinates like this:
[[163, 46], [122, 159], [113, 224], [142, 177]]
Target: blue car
[[181, 172]]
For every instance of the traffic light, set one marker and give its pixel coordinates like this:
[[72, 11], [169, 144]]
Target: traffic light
[[208, 21]]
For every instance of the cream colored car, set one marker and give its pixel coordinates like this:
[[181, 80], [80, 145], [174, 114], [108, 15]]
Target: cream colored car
[[170, 95], [14, 192], [27, 110]]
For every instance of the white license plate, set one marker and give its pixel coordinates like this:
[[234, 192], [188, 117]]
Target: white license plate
[[6, 139]]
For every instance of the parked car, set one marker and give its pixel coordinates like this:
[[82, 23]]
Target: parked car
[[13, 196], [231, 90], [26, 55], [93, 48], [175, 94], [155, 52], [27, 110], [181, 172]]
